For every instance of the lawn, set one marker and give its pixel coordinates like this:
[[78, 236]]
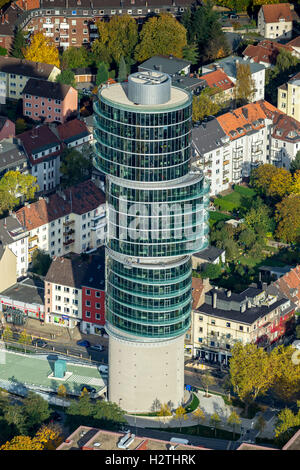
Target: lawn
[[216, 216], [239, 199]]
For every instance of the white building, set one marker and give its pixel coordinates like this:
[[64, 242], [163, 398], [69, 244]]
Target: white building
[[16, 238], [276, 20], [68, 221]]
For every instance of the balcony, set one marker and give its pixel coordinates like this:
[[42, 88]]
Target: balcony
[[32, 248], [68, 242], [32, 239], [69, 222], [69, 232]]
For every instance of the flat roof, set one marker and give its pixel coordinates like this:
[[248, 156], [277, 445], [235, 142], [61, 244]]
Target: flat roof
[[28, 370], [28, 291], [117, 93]]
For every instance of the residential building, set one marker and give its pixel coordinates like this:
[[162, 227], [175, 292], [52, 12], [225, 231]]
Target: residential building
[[221, 84], [288, 98], [295, 45], [85, 75], [276, 20], [12, 156], [43, 149], [148, 268], [48, 101], [8, 267], [87, 438], [229, 66], [9, 15], [190, 83], [211, 255], [7, 128], [68, 221], [74, 134], [166, 64], [93, 296], [15, 73], [266, 52], [253, 316], [14, 236], [288, 285], [23, 300]]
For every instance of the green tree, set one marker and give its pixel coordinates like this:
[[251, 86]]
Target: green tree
[[102, 74], [287, 216], [295, 164], [247, 238], [285, 60], [211, 271], [75, 167], [40, 262], [36, 411], [7, 334], [24, 338], [122, 71], [287, 373], [286, 422], [161, 34], [260, 218], [66, 77], [298, 331], [215, 420], [18, 45], [15, 418], [244, 87], [234, 420], [3, 51], [204, 105], [75, 57], [190, 53], [16, 187]]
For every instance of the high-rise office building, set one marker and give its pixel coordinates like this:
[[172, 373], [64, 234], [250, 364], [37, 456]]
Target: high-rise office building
[[157, 218]]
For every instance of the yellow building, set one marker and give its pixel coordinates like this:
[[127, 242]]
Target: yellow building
[[288, 97], [8, 268]]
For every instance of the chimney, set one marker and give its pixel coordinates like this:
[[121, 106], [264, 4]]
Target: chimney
[[228, 293], [214, 300], [243, 308]]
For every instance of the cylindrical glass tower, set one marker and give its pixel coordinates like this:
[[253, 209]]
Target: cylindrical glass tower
[[156, 219]]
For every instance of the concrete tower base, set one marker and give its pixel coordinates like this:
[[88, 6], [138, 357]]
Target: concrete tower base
[[142, 372]]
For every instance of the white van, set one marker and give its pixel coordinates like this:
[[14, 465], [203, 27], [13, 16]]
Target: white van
[[103, 369], [177, 440]]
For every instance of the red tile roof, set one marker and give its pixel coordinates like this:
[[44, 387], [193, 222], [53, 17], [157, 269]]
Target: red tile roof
[[234, 122], [197, 291], [265, 51], [284, 127], [28, 4], [294, 43], [219, 79], [79, 199], [289, 285], [71, 129], [274, 12]]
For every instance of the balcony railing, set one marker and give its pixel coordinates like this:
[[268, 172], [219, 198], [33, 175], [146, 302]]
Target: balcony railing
[[69, 222], [68, 242]]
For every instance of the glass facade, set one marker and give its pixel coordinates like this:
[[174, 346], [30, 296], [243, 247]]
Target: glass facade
[[157, 214]]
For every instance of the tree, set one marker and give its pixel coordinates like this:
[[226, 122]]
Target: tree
[[232, 249], [7, 334], [22, 443], [298, 331], [180, 415], [286, 421], [287, 215], [233, 420], [21, 125], [204, 105], [211, 271], [295, 188], [75, 57], [62, 391], [75, 167], [18, 45], [66, 77], [271, 181], [295, 164], [259, 218], [49, 436], [164, 411], [42, 49], [285, 60], [24, 339], [40, 262], [155, 405], [247, 238], [122, 71], [102, 74], [244, 87], [190, 53], [287, 373], [207, 379], [251, 371], [215, 420], [199, 416], [36, 409], [16, 187], [14, 417], [161, 34]]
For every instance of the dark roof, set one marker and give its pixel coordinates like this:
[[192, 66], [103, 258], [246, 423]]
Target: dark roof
[[72, 130], [208, 136], [25, 67], [188, 83], [28, 291], [3, 119], [169, 64], [10, 229], [44, 89], [85, 71], [210, 254], [75, 272], [38, 139], [11, 153]]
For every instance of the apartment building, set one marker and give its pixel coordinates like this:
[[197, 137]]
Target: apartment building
[[43, 149], [288, 284], [221, 84], [276, 20], [288, 98], [225, 318], [73, 220], [48, 101], [74, 134], [14, 236], [230, 64], [8, 267], [93, 296], [266, 52], [15, 73], [12, 156]]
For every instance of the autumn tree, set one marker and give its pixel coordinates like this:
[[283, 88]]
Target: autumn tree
[[295, 164], [42, 49], [251, 372], [49, 436], [295, 187], [22, 443], [207, 380], [287, 373], [163, 35], [234, 420], [204, 105], [7, 334], [164, 411], [287, 216], [180, 415], [215, 420], [24, 338], [15, 188], [199, 416], [244, 87], [287, 423], [271, 181], [62, 391]]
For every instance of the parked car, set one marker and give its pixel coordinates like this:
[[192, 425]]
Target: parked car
[[103, 369], [84, 343], [97, 347], [40, 343], [88, 388], [233, 16]]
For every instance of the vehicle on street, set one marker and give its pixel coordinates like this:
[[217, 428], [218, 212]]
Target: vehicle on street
[[97, 347], [233, 17], [88, 388], [84, 343], [103, 369], [40, 343]]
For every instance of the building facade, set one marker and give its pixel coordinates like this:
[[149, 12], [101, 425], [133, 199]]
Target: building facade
[[276, 21], [156, 220], [288, 98]]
